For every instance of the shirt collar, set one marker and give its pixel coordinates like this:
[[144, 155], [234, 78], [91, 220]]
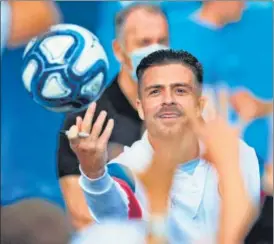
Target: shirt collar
[[188, 167]]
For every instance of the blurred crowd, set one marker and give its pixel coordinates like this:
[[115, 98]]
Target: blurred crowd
[[223, 191]]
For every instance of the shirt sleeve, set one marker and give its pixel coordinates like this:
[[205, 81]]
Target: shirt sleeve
[[112, 195]]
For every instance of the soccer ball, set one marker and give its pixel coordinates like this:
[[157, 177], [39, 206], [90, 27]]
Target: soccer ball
[[65, 69]]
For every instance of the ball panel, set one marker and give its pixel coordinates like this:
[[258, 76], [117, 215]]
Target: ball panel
[[94, 86], [30, 45], [89, 56], [56, 47], [29, 73], [54, 87]]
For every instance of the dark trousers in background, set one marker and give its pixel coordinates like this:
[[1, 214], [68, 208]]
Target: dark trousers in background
[[262, 231]]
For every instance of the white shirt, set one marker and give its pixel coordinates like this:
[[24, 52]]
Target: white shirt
[[194, 198], [119, 232], [112, 232]]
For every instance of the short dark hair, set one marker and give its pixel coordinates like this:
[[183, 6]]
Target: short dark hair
[[169, 56], [122, 15]]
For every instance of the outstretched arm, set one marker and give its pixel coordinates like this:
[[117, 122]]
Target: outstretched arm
[[237, 207], [106, 192]]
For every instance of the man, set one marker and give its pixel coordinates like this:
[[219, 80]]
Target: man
[[140, 29], [22, 20], [169, 83], [157, 181]]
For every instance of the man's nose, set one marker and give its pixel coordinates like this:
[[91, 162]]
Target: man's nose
[[168, 98]]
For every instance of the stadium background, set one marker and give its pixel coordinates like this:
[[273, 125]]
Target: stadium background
[[29, 133]]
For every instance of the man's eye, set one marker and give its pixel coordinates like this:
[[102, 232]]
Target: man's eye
[[154, 92], [144, 42], [181, 91]]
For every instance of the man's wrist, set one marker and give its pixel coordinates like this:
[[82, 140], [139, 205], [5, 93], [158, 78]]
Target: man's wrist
[[94, 173], [227, 165], [96, 185], [97, 174], [157, 226]]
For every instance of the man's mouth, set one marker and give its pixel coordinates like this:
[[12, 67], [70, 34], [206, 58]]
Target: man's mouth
[[168, 115]]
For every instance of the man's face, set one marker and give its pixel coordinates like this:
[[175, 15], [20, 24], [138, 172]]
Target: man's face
[[141, 29], [165, 92]]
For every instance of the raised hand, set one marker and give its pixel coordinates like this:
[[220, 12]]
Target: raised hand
[[90, 143], [218, 137], [221, 143], [249, 107], [220, 140]]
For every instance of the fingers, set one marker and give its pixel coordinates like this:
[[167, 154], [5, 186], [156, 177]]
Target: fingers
[[195, 122], [209, 111], [98, 125], [79, 122], [223, 99], [87, 121], [240, 126], [245, 105], [72, 134], [103, 141]]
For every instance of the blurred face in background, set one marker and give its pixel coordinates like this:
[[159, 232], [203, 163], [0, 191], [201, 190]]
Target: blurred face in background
[[143, 32], [165, 92]]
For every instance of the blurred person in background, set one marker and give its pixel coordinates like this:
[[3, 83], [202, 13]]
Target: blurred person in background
[[104, 12], [140, 30], [23, 20], [202, 31], [256, 107], [20, 22], [250, 108], [233, 40], [169, 83], [34, 221]]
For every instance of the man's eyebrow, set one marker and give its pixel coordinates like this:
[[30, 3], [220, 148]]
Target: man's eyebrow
[[156, 86], [183, 84]]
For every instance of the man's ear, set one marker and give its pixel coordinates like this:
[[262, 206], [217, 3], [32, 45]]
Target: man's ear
[[140, 109], [118, 51]]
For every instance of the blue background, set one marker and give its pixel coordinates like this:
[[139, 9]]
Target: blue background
[[29, 133]]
